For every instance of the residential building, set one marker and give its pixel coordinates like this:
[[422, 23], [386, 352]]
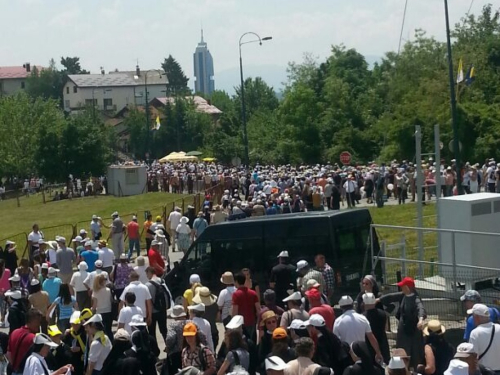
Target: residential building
[[13, 78], [203, 69], [114, 91]]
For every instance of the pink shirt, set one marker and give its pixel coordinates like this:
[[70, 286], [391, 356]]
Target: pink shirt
[[4, 280]]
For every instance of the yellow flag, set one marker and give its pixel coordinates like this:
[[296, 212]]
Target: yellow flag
[[158, 123], [460, 75]]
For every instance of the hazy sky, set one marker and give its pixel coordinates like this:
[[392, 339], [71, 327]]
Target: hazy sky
[[115, 33]]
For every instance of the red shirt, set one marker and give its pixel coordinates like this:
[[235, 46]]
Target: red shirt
[[20, 342], [133, 230], [246, 299], [326, 311], [156, 261]]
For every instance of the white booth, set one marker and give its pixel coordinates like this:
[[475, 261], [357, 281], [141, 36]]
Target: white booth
[[471, 212], [125, 180]]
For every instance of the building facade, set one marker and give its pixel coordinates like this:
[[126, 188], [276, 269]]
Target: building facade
[[203, 69], [114, 91], [13, 78]]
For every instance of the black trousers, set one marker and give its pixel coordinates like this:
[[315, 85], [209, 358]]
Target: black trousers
[[159, 318]]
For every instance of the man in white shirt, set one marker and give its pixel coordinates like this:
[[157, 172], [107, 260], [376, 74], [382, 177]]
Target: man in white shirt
[[173, 221], [490, 175], [100, 346], [126, 314], [89, 280], [196, 312], [33, 239], [107, 256], [351, 326], [350, 191], [225, 300], [481, 337], [142, 296]]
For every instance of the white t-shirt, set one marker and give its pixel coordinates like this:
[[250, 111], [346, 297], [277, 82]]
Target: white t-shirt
[[36, 365], [34, 238], [351, 326], [77, 281], [480, 337], [103, 297], [107, 256], [52, 256], [99, 352], [89, 280], [350, 186], [141, 271], [490, 172], [141, 292], [225, 301], [126, 315], [175, 219], [206, 328]]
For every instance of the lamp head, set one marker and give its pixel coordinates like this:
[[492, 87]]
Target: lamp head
[[267, 38]]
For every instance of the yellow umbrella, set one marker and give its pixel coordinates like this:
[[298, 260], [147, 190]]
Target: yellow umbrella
[[209, 159]]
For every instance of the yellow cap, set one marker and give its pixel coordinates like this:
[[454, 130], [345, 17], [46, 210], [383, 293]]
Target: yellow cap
[[54, 331], [85, 314], [158, 218]]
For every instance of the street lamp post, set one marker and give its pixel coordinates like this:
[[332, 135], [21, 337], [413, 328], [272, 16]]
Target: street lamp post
[[243, 105], [146, 103], [453, 103]]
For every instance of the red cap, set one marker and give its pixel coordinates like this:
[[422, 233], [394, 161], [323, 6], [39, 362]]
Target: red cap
[[313, 293], [407, 281]]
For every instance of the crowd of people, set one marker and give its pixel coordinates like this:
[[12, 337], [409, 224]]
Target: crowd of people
[[110, 317]]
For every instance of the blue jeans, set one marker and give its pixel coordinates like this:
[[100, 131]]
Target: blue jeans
[[134, 243]]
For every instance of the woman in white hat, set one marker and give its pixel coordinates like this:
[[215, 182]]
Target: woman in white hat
[[82, 295], [183, 232], [100, 345], [36, 364], [205, 297]]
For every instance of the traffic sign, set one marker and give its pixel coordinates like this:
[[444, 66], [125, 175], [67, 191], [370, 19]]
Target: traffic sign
[[345, 157]]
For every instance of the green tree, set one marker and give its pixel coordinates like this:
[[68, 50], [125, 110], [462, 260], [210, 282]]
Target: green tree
[[46, 84], [177, 80], [72, 65]]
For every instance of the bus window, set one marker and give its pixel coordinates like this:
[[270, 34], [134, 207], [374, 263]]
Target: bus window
[[351, 256], [229, 255]]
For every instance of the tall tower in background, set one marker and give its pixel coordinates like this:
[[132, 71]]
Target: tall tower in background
[[203, 69]]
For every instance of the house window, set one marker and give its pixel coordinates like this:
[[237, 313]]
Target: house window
[[66, 104], [67, 89], [131, 176], [75, 89], [108, 104], [22, 85]]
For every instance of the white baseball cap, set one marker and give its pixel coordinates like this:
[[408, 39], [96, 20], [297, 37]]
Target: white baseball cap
[[97, 318], [346, 301], [42, 338], [315, 320], [480, 310], [199, 307], [98, 263], [75, 318], [296, 296], [235, 322], [34, 282], [77, 239], [297, 324], [194, 278], [53, 270], [283, 254], [275, 363], [14, 294], [137, 321], [464, 350], [396, 363], [369, 299], [16, 278], [301, 264]]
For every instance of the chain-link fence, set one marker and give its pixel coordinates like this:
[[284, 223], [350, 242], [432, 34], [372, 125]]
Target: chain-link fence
[[70, 231], [442, 272]]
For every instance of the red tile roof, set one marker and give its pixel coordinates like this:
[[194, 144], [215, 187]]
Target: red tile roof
[[10, 72]]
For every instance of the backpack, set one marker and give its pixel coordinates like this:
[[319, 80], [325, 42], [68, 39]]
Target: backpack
[[162, 298]]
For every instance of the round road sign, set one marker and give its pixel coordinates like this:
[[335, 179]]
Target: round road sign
[[345, 157]]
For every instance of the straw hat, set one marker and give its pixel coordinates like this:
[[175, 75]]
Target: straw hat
[[267, 315], [227, 278], [434, 327], [204, 296]]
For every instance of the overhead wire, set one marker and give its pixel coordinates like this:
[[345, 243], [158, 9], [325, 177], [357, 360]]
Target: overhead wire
[[402, 27]]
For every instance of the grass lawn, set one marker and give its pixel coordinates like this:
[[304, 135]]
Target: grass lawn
[[405, 215], [58, 218]]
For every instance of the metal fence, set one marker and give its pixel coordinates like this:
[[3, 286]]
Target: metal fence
[[442, 273], [71, 230]]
